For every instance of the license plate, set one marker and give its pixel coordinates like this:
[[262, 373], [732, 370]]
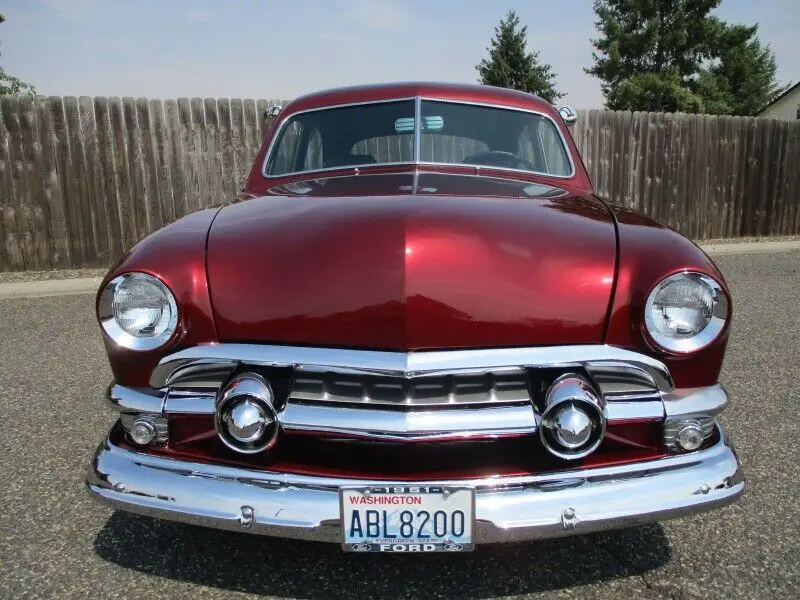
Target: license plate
[[408, 519]]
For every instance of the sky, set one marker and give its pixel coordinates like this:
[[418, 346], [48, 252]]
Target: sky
[[285, 48]]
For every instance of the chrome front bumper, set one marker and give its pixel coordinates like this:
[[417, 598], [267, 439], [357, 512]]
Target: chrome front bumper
[[507, 509]]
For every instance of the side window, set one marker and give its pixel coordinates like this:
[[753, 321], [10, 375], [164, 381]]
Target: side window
[[530, 149], [285, 154], [541, 146], [313, 154]]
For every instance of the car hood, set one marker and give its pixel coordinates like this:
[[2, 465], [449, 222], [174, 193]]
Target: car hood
[[413, 261]]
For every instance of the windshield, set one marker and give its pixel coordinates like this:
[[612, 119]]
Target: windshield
[[450, 133]]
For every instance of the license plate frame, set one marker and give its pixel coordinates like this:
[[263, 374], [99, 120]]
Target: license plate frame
[[460, 498]]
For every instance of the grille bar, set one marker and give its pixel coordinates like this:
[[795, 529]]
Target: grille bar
[[506, 387]]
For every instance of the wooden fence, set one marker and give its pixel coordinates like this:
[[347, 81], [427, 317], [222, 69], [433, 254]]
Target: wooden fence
[[82, 179]]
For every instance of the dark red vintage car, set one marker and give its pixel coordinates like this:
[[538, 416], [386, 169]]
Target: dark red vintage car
[[418, 329]]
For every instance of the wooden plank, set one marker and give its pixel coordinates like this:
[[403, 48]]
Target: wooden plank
[[655, 150], [224, 149], [127, 212], [777, 175], [636, 161], [64, 112], [186, 141], [644, 151], [684, 161], [251, 134], [738, 142], [754, 138], [139, 207], [52, 185], [150, 166], [698, 227], [161, 146], [766, 163], [108, 221], [198, 168], [238, 135], [603, 157], [724, 177], [623, 158], [35, 171], [12, 110], [177, 156], [793, 189], [214, 191], [92, 206], [667, 199], [11, 258]]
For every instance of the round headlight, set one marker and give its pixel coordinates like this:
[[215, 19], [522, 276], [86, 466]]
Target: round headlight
[[686, 312], [138, 311]]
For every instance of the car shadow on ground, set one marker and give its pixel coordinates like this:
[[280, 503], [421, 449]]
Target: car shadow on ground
[[278, 567]]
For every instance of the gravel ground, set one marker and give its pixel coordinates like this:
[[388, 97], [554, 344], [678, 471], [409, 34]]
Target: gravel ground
[[18, 276], [55, 542]]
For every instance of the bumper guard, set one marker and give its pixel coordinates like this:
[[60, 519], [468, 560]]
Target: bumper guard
[[507, 509]]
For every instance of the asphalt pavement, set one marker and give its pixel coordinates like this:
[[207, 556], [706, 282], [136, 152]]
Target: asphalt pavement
[[55, 542]]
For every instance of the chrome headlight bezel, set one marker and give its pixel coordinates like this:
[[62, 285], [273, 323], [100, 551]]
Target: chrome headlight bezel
[[121, 337], [712, 330]]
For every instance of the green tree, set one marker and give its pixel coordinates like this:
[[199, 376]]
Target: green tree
[[674, 55], [10, 84], [741, 81], [510, 65], [649, 51]]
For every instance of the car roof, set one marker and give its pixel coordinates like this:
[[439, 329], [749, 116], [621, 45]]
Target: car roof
[[463, 92]]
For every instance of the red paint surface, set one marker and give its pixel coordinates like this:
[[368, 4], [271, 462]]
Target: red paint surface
[[175, 254], [649, 252], [413, 269]]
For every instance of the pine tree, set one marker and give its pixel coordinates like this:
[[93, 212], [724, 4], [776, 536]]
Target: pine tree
[[744, 74], [510, 65], [674, 55], [650, 50]]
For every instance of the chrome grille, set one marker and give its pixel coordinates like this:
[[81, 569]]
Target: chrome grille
[[486, 388]]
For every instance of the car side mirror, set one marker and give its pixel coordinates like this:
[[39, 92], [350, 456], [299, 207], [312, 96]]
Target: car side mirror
[[568, 113], [272, 111]]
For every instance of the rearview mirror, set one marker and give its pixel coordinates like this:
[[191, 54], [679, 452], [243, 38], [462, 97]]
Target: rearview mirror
[[429, 123]]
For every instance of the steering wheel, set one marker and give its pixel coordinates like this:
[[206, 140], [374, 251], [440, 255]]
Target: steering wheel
[[498, 158]]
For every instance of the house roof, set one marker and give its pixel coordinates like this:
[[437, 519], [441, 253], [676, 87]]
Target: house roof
[[781, 97]]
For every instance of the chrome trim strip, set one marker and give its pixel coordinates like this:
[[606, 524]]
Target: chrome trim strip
[[410, 364], [710, 400], [641, 410], [417, 138], [507, 508], [200, 374], [195, 404], [622, 380], [517, 419], [139, 400], [417, 131]]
